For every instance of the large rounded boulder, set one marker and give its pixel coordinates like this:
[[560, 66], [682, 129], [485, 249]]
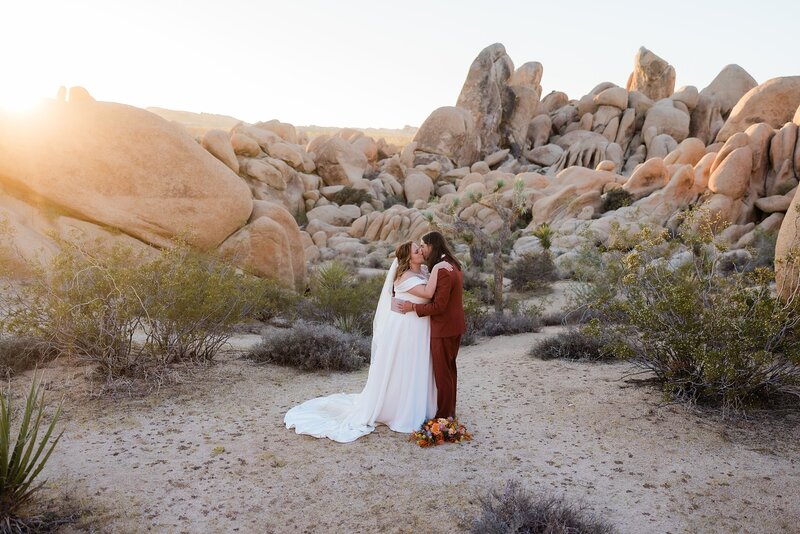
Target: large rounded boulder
[[774, 102], [125, 168]]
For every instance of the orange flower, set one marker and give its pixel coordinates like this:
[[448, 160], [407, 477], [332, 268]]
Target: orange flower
[[435, 428]]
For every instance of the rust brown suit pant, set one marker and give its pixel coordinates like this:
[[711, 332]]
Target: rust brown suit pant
[[443, 353]]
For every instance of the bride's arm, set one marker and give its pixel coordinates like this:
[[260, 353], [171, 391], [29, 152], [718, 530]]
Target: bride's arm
[[426, 291]]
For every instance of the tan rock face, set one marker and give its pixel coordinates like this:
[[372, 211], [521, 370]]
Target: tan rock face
[[787, 248], [651, 75], [125, 168], [280, 215], [449, 131], [613, 96], [668, 120], [339, 162], [774, 102], [716, 101], [418, 186], [484, 94], [732, 176], [219, 144], [647, 177], [262, 246]]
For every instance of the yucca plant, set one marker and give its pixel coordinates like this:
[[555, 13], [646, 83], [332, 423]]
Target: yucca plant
[[22, 461]]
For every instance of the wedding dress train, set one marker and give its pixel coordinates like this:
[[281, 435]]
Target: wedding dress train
[[400, 391]]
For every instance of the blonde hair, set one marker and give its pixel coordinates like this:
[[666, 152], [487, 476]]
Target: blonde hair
[[403, 255]]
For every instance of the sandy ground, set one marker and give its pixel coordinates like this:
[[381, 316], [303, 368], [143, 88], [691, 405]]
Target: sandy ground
[[212, 455]]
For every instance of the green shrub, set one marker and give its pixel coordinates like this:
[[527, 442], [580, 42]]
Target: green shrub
[[82, 303], [481, 286], [614, 199], [190, 302], [475, 316], [91, 303], [545, 234], [573, 345], [517, 510], [763, 248], [313, 346], [272, 299], [341, 298], [350, 195], [720, 340], [24, 455], [533, 271]]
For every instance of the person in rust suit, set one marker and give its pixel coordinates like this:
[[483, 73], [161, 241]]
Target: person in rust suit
[[446, 311]]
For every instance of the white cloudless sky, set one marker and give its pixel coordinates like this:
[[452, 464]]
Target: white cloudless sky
[[366, 63]]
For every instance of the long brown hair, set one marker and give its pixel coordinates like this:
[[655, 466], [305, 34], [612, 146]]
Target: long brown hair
[[439, 250], [403, 255]]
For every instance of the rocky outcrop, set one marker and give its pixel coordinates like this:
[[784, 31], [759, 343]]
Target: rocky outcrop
[[773, 102], [485, 93], [125, 168], [651, 76]]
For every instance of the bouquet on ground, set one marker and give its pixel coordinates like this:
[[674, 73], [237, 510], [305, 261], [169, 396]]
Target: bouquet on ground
[[438, 431]]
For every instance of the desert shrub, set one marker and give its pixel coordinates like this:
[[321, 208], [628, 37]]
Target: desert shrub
[[18, 354], [721, 340], [82, 303], [533, 271], [482, 287], [392, 200], [763, 249], [575, 345], [90, 304], [313, 346], [506, 324], [23, 453], [351, 195], [341, 298], [615, 198], [516, 510], [191, 300], [272, 299], [569, 316], [475, 316]]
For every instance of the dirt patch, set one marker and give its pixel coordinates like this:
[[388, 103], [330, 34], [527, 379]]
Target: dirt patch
[[212, 454]]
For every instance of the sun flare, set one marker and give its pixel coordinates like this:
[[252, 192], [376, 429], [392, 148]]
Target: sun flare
[[19, 100]]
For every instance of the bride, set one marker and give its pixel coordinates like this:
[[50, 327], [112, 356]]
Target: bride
[[400, 391]]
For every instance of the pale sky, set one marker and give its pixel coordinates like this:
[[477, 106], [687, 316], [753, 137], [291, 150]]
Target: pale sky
[[366, 63]]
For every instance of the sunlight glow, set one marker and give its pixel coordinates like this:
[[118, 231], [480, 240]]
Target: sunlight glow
[[19, 100]]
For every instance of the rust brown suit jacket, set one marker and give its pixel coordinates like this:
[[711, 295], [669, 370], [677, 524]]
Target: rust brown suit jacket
[[446, 309]]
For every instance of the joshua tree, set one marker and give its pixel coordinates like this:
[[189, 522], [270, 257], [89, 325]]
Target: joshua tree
[[492, 237]]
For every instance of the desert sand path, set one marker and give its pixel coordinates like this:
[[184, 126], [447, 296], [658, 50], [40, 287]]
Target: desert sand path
[[213, 455]]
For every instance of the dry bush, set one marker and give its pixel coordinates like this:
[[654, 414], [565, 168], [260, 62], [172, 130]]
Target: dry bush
[[533, 271], [504, 324], [351, 195], [573, 345], [516, 510], [313, 346], [90, 304], [20, 354]]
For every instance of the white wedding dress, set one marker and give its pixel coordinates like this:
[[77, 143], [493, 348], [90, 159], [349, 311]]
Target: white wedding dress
[[400, 390]]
